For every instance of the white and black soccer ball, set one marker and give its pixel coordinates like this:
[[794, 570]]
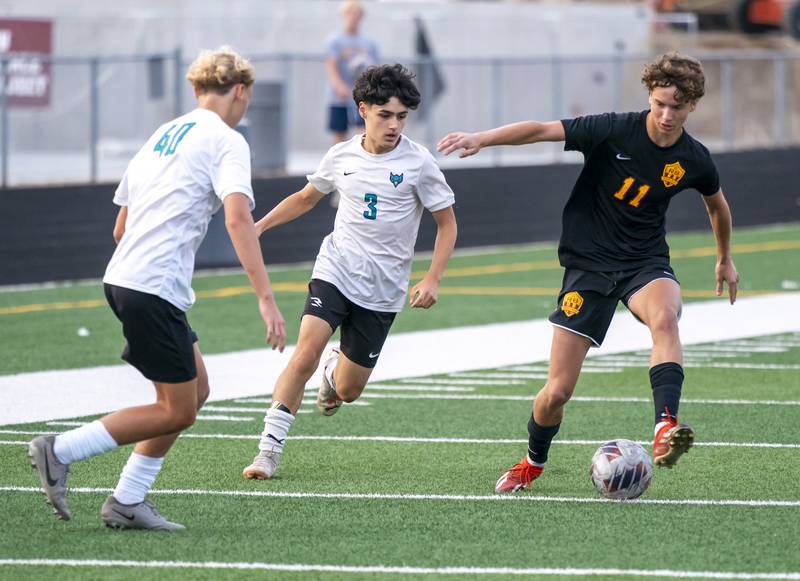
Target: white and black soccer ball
[[621, 470]]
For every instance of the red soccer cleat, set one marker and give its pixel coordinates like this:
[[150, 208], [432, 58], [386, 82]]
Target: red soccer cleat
[[672, 440], [518, 477]]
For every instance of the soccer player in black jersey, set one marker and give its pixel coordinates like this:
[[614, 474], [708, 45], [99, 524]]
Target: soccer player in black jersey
[[613, 245]]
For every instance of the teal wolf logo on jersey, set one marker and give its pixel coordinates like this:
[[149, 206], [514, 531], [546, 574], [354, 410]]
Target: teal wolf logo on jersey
[[396, 178]]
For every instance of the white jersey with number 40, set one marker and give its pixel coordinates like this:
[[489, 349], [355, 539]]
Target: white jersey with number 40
[[381, 199], [171, 188]]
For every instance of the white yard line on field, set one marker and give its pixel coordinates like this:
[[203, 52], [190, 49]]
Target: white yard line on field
[[400, 570], [434, 497], [423, 440], [396, 570], [59, 394], [504, 397]]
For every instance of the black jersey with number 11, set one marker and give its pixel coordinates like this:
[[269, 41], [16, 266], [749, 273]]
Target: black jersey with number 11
[[614, 218]]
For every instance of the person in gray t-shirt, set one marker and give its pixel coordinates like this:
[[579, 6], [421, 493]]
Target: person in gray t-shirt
[[347, 56]]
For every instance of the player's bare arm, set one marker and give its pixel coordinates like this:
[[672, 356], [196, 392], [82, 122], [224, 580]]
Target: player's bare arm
[[119, 224], [242, 231], [335, 79], [519, 133], [290, 208], [425, 293], [721, 223]]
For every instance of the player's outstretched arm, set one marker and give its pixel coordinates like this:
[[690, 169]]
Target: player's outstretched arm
[[290, 208], [242, 231], [425, 293], [513, 134], [722, 224]]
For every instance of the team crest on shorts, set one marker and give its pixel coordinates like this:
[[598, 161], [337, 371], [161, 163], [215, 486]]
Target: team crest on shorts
[[672, 174], [572, 303]]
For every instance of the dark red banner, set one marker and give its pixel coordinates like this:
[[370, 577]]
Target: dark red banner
[[22, 42]]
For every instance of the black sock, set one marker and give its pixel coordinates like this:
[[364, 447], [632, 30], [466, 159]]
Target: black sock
[[279, 406], [666, 379], [539, 440]]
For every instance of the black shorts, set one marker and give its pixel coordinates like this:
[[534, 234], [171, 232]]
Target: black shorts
[[363, 331], [340, 117], [160, 342], [587, 300]]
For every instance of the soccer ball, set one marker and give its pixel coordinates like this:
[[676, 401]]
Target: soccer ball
[[621, 470]]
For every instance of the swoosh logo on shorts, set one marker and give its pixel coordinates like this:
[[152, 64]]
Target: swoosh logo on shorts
[[374, 355]]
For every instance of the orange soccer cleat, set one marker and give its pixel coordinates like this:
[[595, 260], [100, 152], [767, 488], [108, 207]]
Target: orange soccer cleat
[[672, 440], [518, 477]]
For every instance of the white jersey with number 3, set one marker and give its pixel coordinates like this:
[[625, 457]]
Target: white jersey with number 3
[[172, 187], [381, 199]]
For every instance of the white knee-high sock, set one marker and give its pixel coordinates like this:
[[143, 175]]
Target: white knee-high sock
[[137, 477], [84, 442], [328, 371], [276, 428]]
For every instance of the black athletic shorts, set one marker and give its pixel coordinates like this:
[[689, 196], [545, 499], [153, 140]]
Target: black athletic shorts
[[340, 117], [363, 331], [160, 342], [587, 300]]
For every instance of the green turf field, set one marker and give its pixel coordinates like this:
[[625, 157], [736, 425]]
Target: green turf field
[[40, 327], [400, 484]]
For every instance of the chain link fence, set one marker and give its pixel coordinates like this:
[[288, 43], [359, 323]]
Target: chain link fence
[[102, 109]]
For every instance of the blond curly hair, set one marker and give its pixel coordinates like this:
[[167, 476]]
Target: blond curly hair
[[219, 70], [683, 72]]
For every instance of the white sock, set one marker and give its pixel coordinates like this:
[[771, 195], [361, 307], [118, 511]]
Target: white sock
[[84, 442], [137, 477], [328, 371], [276, 428], [532, 463]]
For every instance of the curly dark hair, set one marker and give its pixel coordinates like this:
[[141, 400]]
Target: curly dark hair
[[681, 71], [378, 84]]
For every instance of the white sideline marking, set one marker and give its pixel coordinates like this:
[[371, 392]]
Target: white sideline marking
[[386, 569], [421, 440], [463, 381], [445, 497], [13, 443], [226, 419], [199, 418], [501, 397], [500, 375], [736, 349], [433, 388], [60, 394], [379, 387]]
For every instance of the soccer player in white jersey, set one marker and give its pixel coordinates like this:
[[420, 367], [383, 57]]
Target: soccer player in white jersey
[[361, 275], [188, 169]]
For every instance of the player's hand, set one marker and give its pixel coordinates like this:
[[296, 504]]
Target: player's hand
[[726, 273], [423, 295], [273, 319], [469, 142], [343, 91]]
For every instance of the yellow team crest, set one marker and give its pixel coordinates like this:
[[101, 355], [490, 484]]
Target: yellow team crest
[[572, 303], [673, 172]]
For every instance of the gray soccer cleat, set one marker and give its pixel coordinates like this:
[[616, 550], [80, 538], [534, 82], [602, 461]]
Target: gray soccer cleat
[[52, 473], [328, 401], [264, 465], [135, 516]]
